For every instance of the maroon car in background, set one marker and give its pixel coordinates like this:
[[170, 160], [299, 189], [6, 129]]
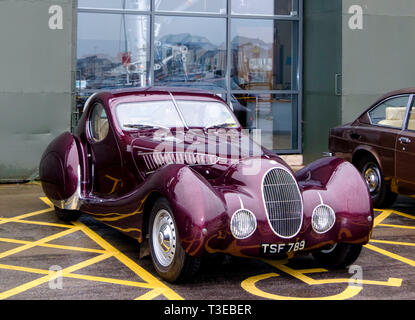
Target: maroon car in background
[[381, 144], [174, 169]]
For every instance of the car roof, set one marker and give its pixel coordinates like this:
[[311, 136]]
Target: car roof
[[398, 92], [155, 90]]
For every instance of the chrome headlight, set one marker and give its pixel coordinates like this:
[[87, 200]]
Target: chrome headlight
[[243, 224], [323, 218]]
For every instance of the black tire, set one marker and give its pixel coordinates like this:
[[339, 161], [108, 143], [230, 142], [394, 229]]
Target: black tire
[[174, 264], [381, 196], [67, 215], [339, 256]]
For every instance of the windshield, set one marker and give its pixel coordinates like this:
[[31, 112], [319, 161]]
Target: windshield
[[206, 114], [163, 114], [139, 115]]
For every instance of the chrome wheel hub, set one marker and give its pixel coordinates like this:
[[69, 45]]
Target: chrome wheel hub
[[372, 177], [164, 238]]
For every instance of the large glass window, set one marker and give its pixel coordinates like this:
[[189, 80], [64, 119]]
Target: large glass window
[[275, 115], [263, 7], [142, 5], [262, 54], [246, 51], [191, 50], [115, 58], [202, 6]]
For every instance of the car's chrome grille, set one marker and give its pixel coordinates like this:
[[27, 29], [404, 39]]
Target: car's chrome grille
[[283, 202]]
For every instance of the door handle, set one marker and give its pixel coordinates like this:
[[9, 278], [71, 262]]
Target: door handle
[[404, 140]]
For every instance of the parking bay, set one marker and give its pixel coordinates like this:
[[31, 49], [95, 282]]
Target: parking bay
[[44, 258]]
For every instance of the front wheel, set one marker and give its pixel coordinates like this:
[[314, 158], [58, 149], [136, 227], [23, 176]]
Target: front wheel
[[379, 191], [338, 256], [170, 260]]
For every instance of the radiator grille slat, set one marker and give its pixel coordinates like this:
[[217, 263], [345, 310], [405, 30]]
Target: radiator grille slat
[[283, 202]]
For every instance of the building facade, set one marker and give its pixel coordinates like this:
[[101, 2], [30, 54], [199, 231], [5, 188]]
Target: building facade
[[247, 51], [291, 68]]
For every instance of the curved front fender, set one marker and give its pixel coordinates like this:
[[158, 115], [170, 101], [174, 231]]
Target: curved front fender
[[338, 183]]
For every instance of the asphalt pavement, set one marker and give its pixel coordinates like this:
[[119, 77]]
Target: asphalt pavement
[[43, 258]]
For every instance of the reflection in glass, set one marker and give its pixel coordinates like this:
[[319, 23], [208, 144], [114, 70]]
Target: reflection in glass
[[275, 115], [142, 5], [206, 114], [112, 52], [190, 50], [135, 116], [204, 6], [262, 54], [263, 7]]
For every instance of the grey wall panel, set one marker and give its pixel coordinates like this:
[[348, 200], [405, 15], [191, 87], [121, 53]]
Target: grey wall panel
[[380, 57], [322, 61], [36, 81]]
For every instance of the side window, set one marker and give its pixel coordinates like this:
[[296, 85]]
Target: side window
[[390, 113], [98, 123]]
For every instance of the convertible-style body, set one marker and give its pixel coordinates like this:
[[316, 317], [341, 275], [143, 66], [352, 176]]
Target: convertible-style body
[[174, 168]]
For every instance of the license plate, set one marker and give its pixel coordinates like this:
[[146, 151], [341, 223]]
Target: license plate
[[275, 248]]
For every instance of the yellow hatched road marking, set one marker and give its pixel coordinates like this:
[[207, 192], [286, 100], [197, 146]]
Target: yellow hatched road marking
[[395, 226], [24, 216], [394, 243], [36, 243], [49, 224], [56, 246], [151, 282], [391, 255], [250, 286], [52, 275], [141, 272], [300, 274], [385, 214], [79, 276], [151, 294], [404, 215]]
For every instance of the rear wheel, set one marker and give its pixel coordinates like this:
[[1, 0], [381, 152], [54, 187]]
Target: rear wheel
[[338, 256], [67, 215], [379, 190], [170, 260]]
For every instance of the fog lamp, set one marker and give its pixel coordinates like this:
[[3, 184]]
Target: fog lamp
[[243, 224], [323, 218]]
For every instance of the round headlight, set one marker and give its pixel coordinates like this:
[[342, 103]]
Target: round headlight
[[323, 218], [243, 224]]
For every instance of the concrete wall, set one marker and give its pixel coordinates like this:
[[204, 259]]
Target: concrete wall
[[380, 57], [372, 61], [36, 81], [322, 61]]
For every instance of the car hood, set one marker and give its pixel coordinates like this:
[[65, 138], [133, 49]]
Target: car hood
[[152, 150]]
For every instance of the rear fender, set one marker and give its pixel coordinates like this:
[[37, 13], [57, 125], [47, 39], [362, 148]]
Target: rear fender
[[60, 172]]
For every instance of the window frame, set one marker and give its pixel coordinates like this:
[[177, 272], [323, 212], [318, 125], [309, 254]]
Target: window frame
[[91, 135], [383, 102]]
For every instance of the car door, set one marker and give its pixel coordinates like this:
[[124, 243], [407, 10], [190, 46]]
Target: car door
[[386, 123], [104, 156], [405, 153]]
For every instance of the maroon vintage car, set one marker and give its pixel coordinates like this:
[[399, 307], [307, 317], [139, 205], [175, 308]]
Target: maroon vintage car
[[381, 144], [174, 169]]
